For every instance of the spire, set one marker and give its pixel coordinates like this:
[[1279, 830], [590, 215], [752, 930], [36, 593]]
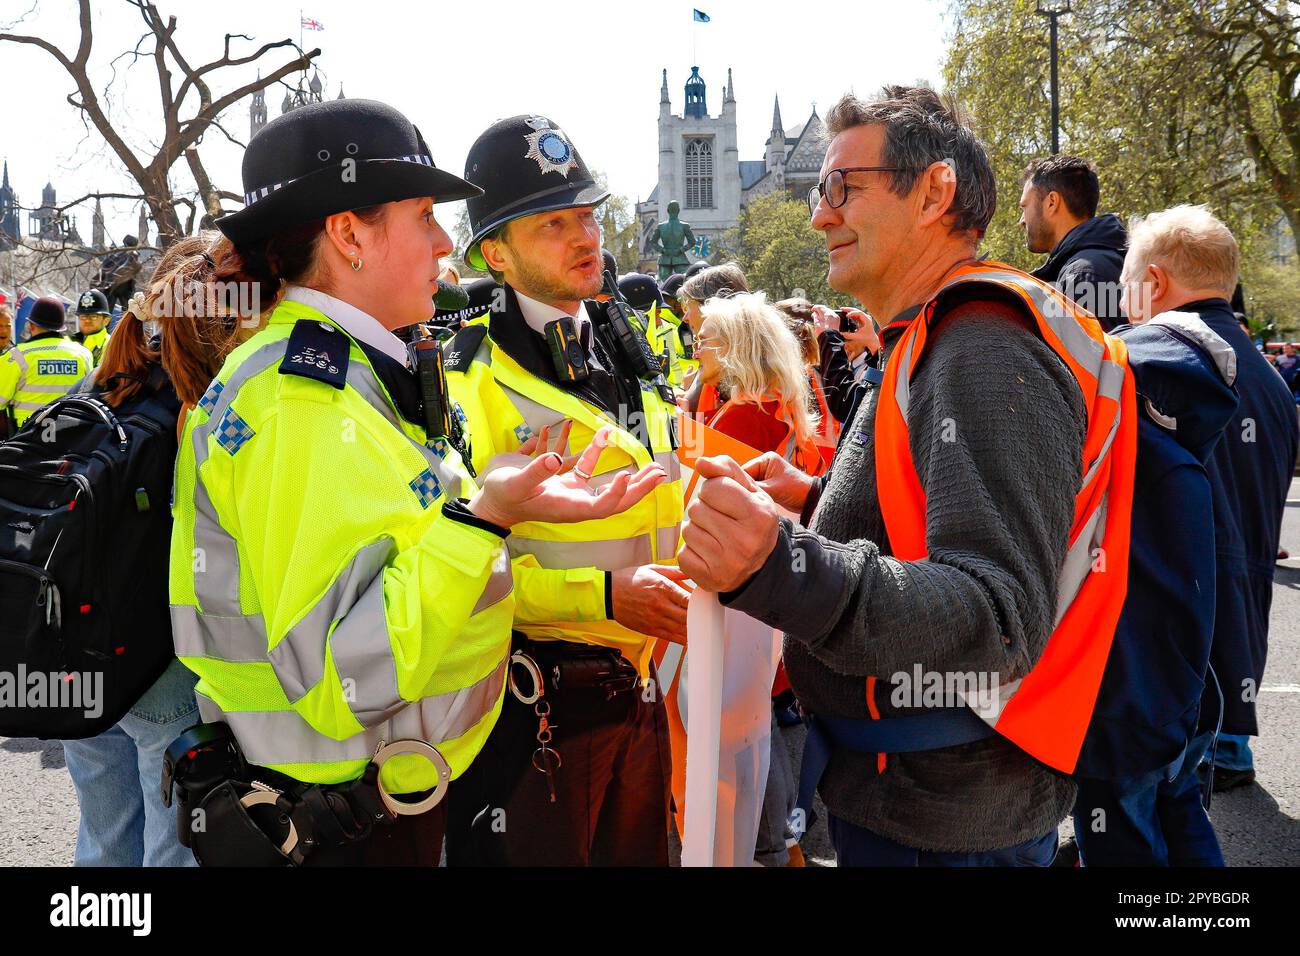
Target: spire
[[144, 224], [6, 182], [663, 90], [696, 104], [341, 96], [776, 117], [731, 89], [97, 226]]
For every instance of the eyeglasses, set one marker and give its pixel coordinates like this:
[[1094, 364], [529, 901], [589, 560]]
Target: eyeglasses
[[836, 190]]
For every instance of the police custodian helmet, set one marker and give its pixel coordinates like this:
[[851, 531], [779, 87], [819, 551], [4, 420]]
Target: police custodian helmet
[[326, 158], [524, 165], [93, 302]]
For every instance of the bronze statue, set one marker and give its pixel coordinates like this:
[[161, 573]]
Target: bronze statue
[[671, 239]]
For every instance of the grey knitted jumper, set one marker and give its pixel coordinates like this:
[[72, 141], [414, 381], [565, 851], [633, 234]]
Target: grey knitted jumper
[[996, 427]]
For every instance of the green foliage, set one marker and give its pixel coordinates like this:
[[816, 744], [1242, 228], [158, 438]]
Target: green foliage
[[1173, 100], [779, 250]]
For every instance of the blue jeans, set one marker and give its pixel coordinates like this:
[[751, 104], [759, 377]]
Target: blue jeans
[[1148, 820], [856, 846], [118, 779], [1233, 753]]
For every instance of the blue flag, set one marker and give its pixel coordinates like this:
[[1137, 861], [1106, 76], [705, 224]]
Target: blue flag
[[701, 16]]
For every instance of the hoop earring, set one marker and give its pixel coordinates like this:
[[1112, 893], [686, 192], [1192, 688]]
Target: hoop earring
[[356, 264]]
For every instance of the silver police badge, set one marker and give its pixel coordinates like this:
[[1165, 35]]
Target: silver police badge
[[552, 151], [87, 300]]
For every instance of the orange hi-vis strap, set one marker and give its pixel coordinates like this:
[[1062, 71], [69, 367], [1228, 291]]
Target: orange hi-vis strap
[[1046, 713]]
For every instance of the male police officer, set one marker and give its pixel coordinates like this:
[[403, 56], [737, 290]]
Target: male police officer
[[93, 316], [642, 293], [45, 367], [579, 775]]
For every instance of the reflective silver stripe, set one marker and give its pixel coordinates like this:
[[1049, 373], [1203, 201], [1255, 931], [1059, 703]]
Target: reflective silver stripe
[[669, 462], [216, 586], [1083, 348], [1190, 324], [363, 379], [668, 539], [28, 406], [363, 656], [902, 390], [299, 656], [610, 555], [239, 639], [1078, 561], [277, 737], [535, 415], [47, 389], [499, 585]]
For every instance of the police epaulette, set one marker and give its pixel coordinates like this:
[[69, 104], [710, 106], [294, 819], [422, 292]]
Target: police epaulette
[[459, 352], [317, 350]]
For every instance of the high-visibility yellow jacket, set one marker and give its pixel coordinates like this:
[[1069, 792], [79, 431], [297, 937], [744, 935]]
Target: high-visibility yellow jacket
[[320, 586], [495, 374], [663, 333], [96, 342], [36, 372]]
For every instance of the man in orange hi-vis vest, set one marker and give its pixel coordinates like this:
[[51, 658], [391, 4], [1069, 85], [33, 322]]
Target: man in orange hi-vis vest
[[950, 595]]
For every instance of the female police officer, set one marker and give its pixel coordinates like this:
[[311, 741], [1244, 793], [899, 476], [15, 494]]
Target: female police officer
[[337, 580]]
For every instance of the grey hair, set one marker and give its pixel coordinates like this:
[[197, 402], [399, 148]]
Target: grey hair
[[725, 280], [921, 129]]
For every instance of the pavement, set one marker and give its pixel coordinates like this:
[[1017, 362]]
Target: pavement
[[1258, 825]]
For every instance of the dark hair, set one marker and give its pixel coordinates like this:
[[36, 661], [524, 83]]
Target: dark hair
[[799, 319], [725, 280], [1071, 177], [284, 258], [921, 129]]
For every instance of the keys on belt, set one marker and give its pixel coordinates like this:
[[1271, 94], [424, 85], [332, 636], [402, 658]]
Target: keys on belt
[[563, 668]]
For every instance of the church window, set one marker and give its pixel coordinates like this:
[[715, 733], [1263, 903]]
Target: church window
[[699, 174]]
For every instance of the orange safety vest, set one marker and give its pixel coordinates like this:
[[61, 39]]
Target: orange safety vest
[[1046, 713], [804, 455]]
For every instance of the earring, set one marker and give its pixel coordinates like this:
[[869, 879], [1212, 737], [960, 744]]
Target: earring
[[356, 264]]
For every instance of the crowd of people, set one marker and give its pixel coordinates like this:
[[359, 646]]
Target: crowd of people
[[417, 575]]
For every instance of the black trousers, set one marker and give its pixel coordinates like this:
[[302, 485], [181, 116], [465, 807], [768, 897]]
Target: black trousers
[[612, 789]]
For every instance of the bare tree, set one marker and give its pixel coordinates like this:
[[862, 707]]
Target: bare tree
[[189, 111]]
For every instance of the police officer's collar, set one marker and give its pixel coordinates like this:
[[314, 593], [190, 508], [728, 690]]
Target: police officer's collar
[[511, 333], [538, 314], [45, 334], [362, 326]]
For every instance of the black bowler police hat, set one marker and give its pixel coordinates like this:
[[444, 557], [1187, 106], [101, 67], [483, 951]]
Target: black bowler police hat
[[93, 302], [325, 158], [524, 165]]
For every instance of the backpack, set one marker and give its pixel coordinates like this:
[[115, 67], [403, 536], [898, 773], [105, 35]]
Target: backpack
[[1149, 700], [85, 529]]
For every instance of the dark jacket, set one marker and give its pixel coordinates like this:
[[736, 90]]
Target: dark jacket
[[1086, 266], [996, 543], [836, 374], [1250, 474], [1150, 695]]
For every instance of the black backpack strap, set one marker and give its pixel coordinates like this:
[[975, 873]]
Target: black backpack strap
[[317, 350]]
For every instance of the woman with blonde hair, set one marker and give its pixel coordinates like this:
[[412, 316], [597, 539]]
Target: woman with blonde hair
[[750, 357]]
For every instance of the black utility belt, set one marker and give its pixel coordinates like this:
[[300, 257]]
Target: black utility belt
[[538, 668], [233, 813]]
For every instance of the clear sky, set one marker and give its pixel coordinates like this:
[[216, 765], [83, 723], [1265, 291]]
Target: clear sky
[[455, 68]]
